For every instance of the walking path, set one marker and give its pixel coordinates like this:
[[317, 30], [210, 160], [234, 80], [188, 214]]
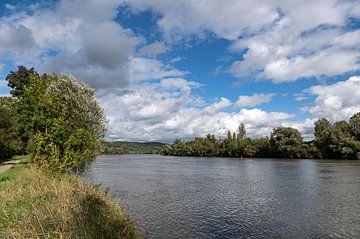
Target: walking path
[[8, 164]]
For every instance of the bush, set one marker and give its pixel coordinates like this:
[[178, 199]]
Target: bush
[[63, 121]]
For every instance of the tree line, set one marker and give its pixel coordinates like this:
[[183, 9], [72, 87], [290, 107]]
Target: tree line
[[340, 140], [125, 147], [54, 118]]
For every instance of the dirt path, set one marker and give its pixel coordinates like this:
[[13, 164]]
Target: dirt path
[[8, 164]]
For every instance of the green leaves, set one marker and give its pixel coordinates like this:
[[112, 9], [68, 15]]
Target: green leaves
[[287, 142], [62, 119]]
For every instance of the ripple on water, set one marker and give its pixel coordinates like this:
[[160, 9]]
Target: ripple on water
[[186, 197]]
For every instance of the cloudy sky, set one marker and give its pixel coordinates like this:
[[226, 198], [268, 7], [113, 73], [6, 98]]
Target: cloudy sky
[[165, 69]]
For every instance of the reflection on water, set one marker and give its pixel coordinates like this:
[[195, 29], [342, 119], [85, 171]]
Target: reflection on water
[[186, 197]]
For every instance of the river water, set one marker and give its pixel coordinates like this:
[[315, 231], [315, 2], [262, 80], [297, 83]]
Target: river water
[[189, 197]]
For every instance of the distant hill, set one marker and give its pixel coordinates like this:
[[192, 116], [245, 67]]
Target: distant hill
[[125, 147]]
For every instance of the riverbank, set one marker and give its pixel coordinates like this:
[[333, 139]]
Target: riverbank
[[37, 204]]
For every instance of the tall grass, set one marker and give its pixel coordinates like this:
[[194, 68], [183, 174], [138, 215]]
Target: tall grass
[[37, 204]]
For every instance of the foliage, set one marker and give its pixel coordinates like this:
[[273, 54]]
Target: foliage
[[286, 142], [355, 125], [42, 205], [124, 147], [10, 143], [60, 120], [338, 141], [17, 80]]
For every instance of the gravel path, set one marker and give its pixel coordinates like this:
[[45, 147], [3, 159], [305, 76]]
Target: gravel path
[[8, 164]]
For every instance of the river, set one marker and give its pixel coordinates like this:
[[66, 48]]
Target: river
[[189, 197]]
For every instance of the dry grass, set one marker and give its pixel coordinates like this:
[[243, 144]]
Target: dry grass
[[37, 204]]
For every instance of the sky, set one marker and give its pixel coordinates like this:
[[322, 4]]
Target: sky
[[166, 69]]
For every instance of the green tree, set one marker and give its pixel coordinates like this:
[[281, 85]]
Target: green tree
[[343, 143], [323, 132], [241, 132], [287, 142], [10, 143], [17, 80], [355, 125], [63, 121]]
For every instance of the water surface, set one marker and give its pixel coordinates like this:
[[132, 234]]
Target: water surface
[[189, 197]]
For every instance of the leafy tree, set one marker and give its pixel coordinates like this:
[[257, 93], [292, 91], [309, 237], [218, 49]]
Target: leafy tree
[[343, 144], [336, 141], [323, 131], [331, 141], [286, 142], [242, 132], [63, 121], [10, 143], [355, 125], [311, 151], [17, 80], [259, 147]]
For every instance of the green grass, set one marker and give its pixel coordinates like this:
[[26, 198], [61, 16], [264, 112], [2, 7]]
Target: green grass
[[23, 158], [37, 204], [8, 177]]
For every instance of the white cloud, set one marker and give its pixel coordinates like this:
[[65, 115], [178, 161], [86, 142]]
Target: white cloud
[[142, 69], [300, 97], [217, 106], [3, 83], [153, 49], [78, 37], [227, 20], [310, 40], [285, 40], [253, 100], [149, 99], [166, 109], [10, 7], [338, 101]]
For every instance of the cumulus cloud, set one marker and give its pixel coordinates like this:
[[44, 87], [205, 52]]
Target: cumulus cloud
[[78, 37], [283, 40], [227, 20], [142, 69], [153, 49], [147, 98], [253, 100], [311, 40], [338, 101], [217, 106], [166, 109]]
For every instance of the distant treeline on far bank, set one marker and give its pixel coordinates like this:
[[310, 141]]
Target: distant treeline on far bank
[[340, 140], [125, 147]]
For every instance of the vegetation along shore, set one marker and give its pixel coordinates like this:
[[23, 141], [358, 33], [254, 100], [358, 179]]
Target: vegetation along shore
[[58, 122], [340, 140]]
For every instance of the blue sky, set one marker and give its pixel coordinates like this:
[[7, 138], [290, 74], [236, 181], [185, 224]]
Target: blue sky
[[167, 69]]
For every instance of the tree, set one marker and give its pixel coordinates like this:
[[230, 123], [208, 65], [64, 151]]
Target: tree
[[287, 142], [323, 131], [17, 80], [10, 143], [240, 141], [242, 132], [343, 143], [63, 121], [355, 125]]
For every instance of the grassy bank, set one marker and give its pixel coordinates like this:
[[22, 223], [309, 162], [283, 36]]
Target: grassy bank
[[36, 204]]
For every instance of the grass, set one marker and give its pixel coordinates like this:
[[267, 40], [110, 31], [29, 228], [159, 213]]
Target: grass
[[37, 204], [23, 158]]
